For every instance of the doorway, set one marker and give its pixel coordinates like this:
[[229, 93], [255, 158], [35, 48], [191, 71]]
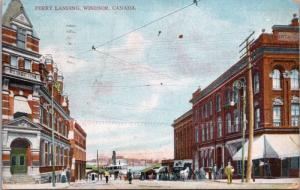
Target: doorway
[[18, 156]]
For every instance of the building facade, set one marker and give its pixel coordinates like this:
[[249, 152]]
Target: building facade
[[217, 109], [77, 138], [27, 96], [183, 131]]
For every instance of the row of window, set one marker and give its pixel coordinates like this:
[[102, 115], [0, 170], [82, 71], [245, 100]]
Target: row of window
[[15, 63], [276, 79], [207, 129], [233, 95], [61, 155], [59, 126], [277, 116]]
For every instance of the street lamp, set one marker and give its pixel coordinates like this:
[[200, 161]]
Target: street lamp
[[237, 85], [50, 79]]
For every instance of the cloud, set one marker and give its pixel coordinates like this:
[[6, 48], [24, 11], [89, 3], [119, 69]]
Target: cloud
[[149, 104], [65, 62]]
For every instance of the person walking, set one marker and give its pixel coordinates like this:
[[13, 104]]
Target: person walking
[[106, 174], [215, 171], [129, 176], [229, 172], [68, 175]]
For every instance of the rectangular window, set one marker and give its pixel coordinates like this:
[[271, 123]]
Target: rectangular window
[[14, 61], [27, 65], [207, 131], [257, 118], [219, 123], [41, 115], [203, 133], [21, 38], [196, 135], [211, 130], [276, 116], [295, 114], [210, 108], [218, 103], [294, 163], [256, 83]]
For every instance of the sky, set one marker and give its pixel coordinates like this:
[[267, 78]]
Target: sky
[[127, 93]]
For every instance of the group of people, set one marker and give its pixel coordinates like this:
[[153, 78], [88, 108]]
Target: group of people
[[215, 173], [129, 176], [66, 176]]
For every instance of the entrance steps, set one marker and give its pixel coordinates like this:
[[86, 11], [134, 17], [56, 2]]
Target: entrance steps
[[21, 178]]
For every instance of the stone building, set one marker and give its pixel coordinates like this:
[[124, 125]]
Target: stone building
[[26, 104]]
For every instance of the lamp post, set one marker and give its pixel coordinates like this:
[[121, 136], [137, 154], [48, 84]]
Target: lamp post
[[51, 81], [237, 86]]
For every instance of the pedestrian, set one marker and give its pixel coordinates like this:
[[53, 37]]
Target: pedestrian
[[268, 169], [129, 176], [68, 175], [221, 171], [229, 172], [202, 173], [106, 174], [63, 176], [253, 172], [215, 171]]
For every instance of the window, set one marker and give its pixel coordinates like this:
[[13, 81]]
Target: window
[[235, 95], [228, 97], [211, 126], [48, 120], [46, 154], [218, 103], [21, 38], [196, 135], [27, 65], [294, 79], [206, 110], [295, 114], [228, 123], [57, 156], [256, 83], [14, 61], [219, 123], [210, 108], [276, 115], [236, 121], [41, 115], [276, 79], [203, 133], [61, 156], [49, 154], [257, 118], [207, 131], [294, 163]]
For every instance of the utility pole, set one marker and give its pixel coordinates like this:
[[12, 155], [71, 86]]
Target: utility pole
[[247, 43], [1, 166], [97, 161]]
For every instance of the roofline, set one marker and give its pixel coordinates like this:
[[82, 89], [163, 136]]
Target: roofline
[[182, 117]]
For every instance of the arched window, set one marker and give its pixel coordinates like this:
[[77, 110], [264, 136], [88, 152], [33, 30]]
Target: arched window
[[219, 123], [294, 79], [228, 122], [256, 83], [276, 79]]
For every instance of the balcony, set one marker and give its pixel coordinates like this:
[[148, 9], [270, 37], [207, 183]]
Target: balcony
[[22, 74]]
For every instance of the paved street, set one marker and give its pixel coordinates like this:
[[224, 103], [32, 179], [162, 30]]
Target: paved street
[[137, 184]]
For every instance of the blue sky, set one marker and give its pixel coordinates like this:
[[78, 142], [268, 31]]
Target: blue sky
[[107, 90]]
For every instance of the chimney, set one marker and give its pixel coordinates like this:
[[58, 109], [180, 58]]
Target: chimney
[[295, 20]]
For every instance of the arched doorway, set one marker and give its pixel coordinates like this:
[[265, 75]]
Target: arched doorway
[[20, 152]]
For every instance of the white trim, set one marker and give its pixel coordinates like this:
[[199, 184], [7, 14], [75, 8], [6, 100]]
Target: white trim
[[21, 54]]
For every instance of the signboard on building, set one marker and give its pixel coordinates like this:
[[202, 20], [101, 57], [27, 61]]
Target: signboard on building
[[288, 36]]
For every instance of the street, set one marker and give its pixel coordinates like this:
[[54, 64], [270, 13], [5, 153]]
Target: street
[[290, 183]]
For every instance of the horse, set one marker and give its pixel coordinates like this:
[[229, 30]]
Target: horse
[[184, 174]]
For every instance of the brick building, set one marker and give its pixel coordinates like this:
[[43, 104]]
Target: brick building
[[217, 108], [26, 104], [183, 131], [77, 138]]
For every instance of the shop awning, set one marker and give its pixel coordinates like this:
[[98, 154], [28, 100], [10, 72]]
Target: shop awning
[[272, 146], [21, 105]]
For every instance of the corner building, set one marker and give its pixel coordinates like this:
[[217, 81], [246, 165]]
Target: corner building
[[26, 105], [217, 108]]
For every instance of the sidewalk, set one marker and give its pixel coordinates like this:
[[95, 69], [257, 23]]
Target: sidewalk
[[36, 186], [270, 181]]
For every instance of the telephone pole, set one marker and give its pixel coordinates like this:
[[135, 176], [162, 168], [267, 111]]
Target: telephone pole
[[247, 43]]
